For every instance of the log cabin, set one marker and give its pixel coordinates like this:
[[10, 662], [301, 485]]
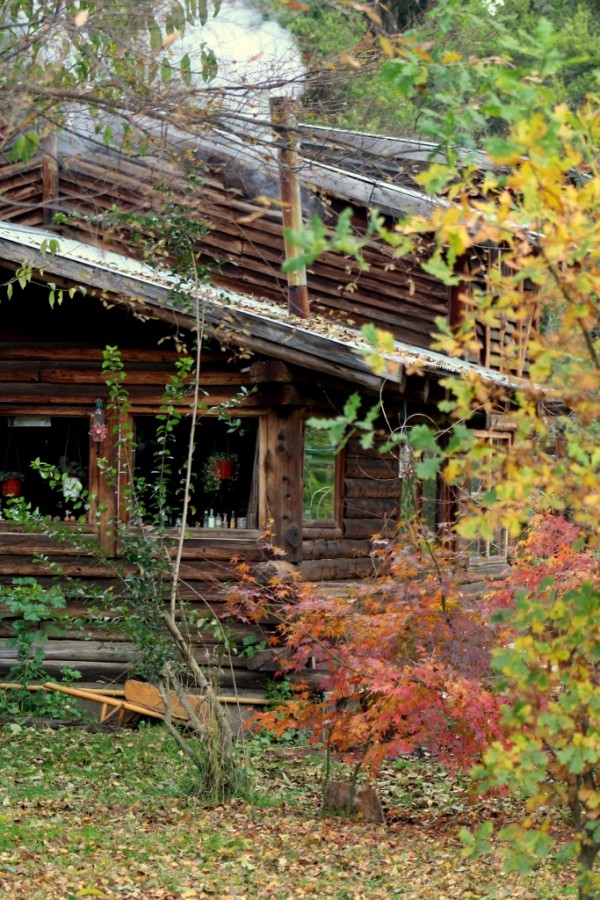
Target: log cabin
[[69, 215]]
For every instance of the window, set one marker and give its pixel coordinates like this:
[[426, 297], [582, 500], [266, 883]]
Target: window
[[61, 441], [494, 547], [418, 498], [224, 488], [320, 469]]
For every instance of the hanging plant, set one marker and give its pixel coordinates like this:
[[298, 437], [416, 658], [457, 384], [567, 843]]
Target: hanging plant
[[11, 483], [217, 468]]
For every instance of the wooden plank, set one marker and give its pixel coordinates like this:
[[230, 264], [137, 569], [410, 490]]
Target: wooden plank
[[83, 353], [69, 374], [343, 549], [376, 488], [84, 651], [378, 508], [331, 569], [147, 695], [117, 704], [111, 671], [376, 468], [367, 527], [21, 371], [76, 567], [31, 544]]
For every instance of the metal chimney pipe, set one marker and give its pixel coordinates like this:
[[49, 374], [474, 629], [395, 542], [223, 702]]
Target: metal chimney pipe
[[284, 122]]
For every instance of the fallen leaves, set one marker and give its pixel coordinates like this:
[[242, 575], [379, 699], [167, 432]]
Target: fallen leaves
[[120, 826]]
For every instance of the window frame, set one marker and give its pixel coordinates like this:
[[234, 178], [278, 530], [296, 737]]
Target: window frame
[[332, 525], [486, 557], [90, 518], [127, 421]]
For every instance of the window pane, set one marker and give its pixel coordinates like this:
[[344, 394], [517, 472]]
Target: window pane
[[319, 475], [224, 475], [474, 491], [61, 441]]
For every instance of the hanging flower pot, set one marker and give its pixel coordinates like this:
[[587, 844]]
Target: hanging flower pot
[[224, 469], [98, 429], [217, 468], [11, 484]]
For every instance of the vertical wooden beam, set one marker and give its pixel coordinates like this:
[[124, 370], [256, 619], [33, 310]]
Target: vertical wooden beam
[[50, 180], [106, 507], [284, 121], [283, 462]]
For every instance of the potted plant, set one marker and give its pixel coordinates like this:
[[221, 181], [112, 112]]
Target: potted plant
[[11, 483], [217, 468], [73, 476]]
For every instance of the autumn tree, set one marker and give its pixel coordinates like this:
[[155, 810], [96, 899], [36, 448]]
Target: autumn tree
[[514, 227], [550, 751], [341, 42], [537, 207], [404, 660]]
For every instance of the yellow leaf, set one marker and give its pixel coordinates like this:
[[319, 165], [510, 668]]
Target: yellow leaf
[[451, 56], [81, 18], [386, 46], [350, 61], [170, 38]]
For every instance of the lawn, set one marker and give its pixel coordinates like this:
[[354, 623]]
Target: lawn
[[115, 815]]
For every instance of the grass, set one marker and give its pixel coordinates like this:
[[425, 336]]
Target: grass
[[112, 815]]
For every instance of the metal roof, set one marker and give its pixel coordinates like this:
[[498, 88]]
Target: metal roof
[[235, 318]]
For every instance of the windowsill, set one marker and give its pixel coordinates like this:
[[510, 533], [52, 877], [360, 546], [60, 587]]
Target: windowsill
[[7, 526], [221, 533], [204, 533]]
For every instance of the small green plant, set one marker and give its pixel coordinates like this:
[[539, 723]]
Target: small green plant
[[29, 604], [279, 691], [252, 644]]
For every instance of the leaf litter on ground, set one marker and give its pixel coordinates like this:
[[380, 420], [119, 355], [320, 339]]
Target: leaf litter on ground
[[111, 815]]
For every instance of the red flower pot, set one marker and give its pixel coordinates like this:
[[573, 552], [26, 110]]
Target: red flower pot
[[224, 468], [11, 487]]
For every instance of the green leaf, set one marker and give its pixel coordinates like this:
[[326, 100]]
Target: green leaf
[[24, 147], [422, 437], [428, 468], [185, 68]]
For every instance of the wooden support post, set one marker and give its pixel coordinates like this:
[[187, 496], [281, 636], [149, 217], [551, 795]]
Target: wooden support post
[[50, 183], [283, 479], [108, 500], [284, 121]]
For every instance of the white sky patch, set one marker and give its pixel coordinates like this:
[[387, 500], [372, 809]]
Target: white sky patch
[[257, 58], [493, 6]]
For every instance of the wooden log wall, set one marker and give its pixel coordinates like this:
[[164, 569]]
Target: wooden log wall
[[243, 235], [50, 363], [44, 370], [91, 639], [505, 345], [246, 238]]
